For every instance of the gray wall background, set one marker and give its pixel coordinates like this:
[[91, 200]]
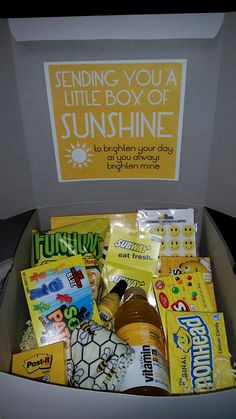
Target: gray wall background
[[207, 165]]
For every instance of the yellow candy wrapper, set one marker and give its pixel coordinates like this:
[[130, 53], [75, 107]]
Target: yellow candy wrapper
[[199, 358], [181, 293], [122, 220]]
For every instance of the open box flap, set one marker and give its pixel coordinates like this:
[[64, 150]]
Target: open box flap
[[134, 26], [28, 145], [220, 193], [226, 225]]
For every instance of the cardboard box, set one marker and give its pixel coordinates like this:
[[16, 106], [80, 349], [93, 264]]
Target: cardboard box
[[14, 313], [29, 180]]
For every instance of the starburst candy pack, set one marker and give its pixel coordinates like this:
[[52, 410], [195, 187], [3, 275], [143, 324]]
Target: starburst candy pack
[[199, 358], [131, 258], [171, 265], [175, 226], [59, 297], [181, 293]]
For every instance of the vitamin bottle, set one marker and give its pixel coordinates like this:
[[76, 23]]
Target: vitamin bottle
[[109, 304], [138, 323]]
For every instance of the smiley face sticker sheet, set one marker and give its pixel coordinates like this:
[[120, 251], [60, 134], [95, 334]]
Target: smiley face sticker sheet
[[175, 226]]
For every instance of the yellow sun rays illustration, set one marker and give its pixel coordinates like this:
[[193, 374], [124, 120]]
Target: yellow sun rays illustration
[[79, 155]]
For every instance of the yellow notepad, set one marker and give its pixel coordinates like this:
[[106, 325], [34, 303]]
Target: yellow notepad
[[43, 364]]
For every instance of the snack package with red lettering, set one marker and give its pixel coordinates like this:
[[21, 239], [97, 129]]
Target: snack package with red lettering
[[59, 297], [85, 238]]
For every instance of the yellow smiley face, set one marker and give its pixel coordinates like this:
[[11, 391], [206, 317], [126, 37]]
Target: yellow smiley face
[[183, 339], [163, 245], [189, 254], [174, 231], [192, 266], [188, 244], [188, 230], [161, 231], [174, 244]]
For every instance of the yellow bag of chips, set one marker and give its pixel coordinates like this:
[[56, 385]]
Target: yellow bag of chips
[[84, 238]]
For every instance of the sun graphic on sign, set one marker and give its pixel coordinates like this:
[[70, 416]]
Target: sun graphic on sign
[[79, 155]]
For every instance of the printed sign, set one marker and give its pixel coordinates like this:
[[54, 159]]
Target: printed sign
[[116, 119]]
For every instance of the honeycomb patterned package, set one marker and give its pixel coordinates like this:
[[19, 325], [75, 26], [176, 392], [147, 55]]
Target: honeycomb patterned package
[[98, 358], [199, 358]]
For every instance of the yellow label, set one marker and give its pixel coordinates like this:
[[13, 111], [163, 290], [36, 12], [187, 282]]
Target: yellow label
[[116, 119], [149, 367], [138, 334], [199, 358], [37, 362], [140, 253]]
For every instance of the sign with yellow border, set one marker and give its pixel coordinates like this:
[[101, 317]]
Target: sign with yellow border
[[116, 119]]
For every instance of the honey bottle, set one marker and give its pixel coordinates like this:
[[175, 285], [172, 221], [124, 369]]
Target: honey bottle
[[109, 304]]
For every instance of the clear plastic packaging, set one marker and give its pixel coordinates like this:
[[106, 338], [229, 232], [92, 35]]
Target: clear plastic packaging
[[177, 227]]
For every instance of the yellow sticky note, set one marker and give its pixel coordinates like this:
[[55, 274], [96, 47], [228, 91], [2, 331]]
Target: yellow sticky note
[[43, 364]]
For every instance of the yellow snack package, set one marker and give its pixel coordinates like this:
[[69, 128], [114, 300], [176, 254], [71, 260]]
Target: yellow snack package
[[199, 358], [46, 364], [59, 297], [181, 293], [122, 220], [131, 258], [86, 237], [175, 265]]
